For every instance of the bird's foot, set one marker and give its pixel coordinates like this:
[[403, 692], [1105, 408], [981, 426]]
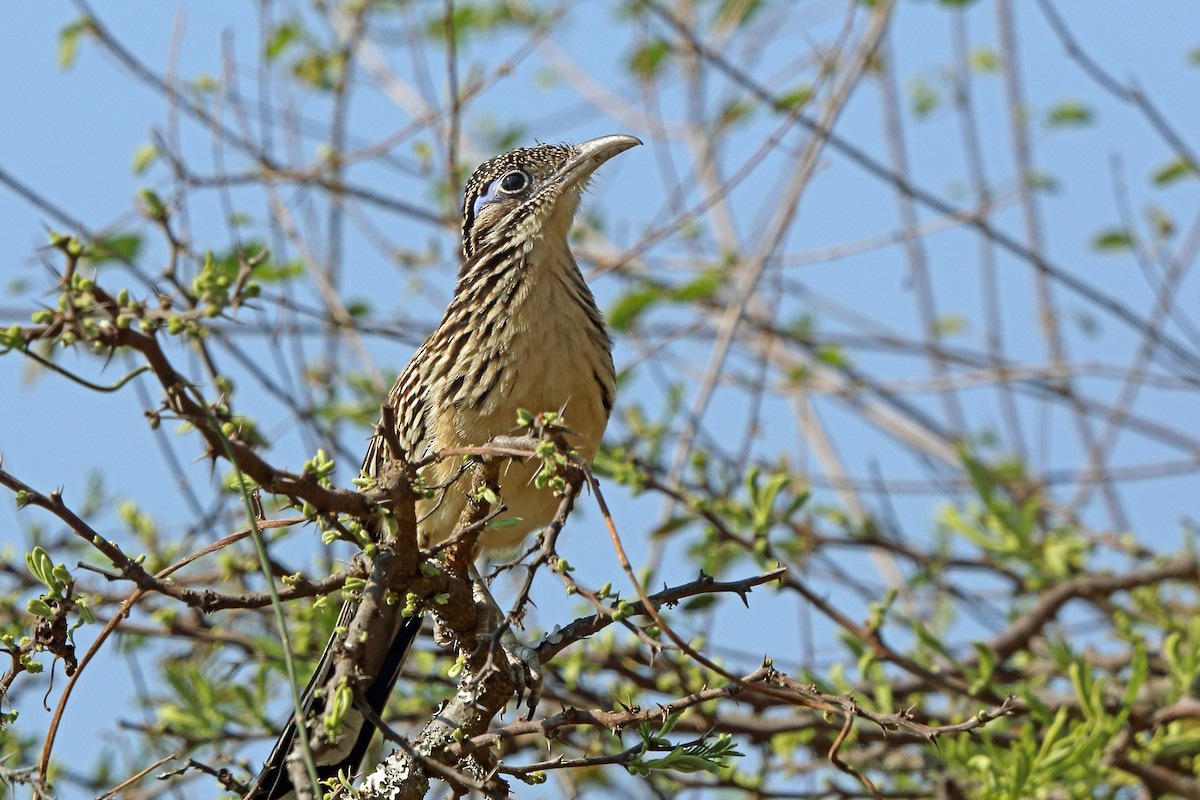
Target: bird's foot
[[525, 671]]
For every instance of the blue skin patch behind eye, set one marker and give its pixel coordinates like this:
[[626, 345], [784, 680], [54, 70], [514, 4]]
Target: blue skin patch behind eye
[[490, 196]]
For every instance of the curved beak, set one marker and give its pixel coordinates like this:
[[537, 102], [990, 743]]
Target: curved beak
[[591, 154]]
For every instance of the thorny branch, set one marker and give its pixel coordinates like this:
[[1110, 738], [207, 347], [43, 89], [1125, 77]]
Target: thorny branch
[[823, 359]]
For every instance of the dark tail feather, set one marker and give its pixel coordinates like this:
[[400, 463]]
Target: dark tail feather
[[272, 782]]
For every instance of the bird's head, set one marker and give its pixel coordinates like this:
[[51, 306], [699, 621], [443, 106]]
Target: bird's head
[[532, 191]]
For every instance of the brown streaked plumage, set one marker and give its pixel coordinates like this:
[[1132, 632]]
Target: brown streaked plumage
[[521, 331]]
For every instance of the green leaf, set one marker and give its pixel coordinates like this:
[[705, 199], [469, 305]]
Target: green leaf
[[833, 356], [762, 499], [984, 60], [470, 19], [987, 664], [319, 69], [793, 98], [122, 247], [275, 272], [737, 12], [1051, 734], [736, 110], [699, 603], [1112, 239], [282, 37], [922, 97], [1173, 171], [68, 41], [1041, 182], [203, 84], [145, 155], [1069, 113], [926, 638], [1138, 667], [950, 324], [670, 722], [626, 311], [702, 287], [650, 59]]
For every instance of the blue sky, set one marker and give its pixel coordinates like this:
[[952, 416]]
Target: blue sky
[[71, 136]]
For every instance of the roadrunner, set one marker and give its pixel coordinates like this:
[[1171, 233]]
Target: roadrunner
[[522, 331]]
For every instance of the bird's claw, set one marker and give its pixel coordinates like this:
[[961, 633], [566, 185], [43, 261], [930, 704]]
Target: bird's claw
[[522, 662], [524, 670]]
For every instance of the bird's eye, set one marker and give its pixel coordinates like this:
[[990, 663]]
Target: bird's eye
[[514, 182], [511, 184]]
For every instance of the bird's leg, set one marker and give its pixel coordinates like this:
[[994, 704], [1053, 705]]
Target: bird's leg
[[491, 630], [524, 668]]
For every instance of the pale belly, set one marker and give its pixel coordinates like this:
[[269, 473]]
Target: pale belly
[[550, 380]]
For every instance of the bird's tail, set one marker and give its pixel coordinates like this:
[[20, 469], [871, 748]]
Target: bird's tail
[[347, 753]]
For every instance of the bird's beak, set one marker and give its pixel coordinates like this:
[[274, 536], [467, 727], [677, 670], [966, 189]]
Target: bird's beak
[[591, 154]]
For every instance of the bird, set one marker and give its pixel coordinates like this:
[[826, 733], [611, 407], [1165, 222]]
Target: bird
[[522, 331]]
